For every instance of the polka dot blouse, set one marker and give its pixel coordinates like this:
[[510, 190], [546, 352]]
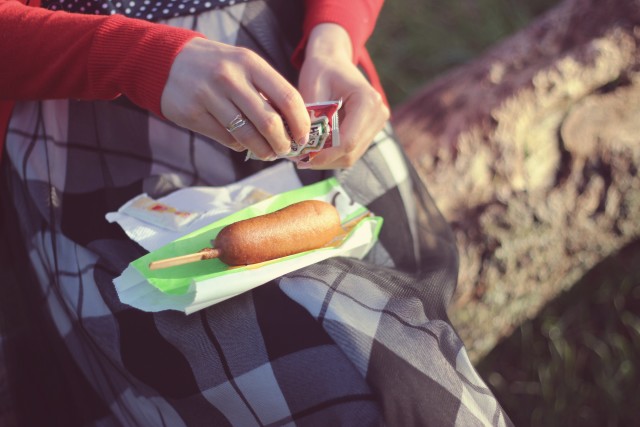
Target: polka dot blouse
[[150, 10]]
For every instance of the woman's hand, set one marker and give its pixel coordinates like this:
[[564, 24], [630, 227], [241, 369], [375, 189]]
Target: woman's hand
[[328, 73], [211, 83]]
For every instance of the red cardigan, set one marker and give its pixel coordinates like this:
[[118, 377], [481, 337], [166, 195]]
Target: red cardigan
[[102, 57]]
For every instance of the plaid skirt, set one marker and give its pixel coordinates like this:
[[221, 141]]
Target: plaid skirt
[[343, 342]]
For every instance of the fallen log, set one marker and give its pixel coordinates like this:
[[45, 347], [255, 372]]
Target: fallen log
[[532, 153]]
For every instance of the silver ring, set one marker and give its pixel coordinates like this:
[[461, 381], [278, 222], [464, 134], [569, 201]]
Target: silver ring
[[237, 122]]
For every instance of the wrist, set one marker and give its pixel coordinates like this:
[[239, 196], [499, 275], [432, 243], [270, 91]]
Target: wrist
[[329, 41]]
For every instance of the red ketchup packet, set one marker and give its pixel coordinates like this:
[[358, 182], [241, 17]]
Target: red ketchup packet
[[325, 132]]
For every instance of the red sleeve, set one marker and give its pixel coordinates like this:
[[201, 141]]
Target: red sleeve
[[358, 17], [46, 55]]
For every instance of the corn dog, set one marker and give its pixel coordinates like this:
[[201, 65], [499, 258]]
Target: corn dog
[[299, 227]]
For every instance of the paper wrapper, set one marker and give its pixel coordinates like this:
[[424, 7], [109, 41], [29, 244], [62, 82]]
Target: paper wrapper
[[192, 287], [209, 203]]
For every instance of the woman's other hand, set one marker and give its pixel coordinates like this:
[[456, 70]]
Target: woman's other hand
[[211, 83], [328, 73]]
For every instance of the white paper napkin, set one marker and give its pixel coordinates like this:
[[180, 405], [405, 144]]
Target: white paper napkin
[[209, 203]]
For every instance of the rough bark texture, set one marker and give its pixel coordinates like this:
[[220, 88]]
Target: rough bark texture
[[532, 153]]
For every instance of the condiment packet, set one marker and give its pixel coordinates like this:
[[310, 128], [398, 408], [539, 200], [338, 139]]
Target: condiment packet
[[159, 214], [324, 133]]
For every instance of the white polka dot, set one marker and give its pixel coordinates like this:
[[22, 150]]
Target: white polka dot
[[155, 9]]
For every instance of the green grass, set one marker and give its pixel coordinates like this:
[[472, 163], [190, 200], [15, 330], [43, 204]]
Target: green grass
[[576, 363], [416, 41]]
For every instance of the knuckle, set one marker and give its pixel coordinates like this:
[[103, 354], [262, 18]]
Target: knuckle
[[270, 124], [244, 56], [386, 115], [378, 97], [189, 115], [374, 99], [224, 74], [200, 95], [290, 98]]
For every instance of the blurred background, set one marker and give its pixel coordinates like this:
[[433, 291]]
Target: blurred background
[[416, 41], [577, 362]]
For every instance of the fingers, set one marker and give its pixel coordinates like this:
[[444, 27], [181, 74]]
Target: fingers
[[213, 127], [267, 101], [288, 102], [211, 83], [201, 121], [364, 116], [266, 136]]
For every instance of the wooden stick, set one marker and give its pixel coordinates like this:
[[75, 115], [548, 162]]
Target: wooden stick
[[346, 229], [350, 225], [206, 253]]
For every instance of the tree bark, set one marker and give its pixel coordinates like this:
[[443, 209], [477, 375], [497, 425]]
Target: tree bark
[[531, 151]]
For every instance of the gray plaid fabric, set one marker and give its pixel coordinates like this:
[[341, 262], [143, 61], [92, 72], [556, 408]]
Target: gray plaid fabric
[[340, 343]]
